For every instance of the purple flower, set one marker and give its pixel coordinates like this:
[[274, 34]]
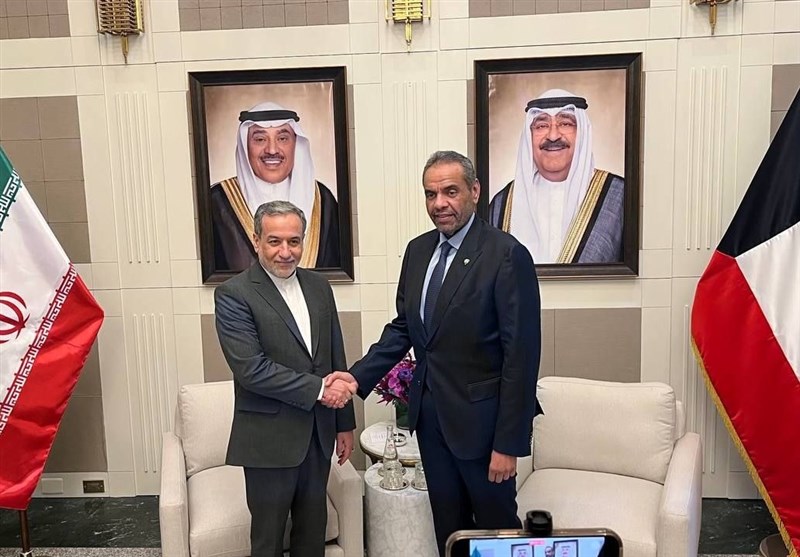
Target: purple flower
[[394, 387]]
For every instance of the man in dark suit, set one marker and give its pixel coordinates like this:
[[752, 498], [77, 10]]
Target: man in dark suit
[[280, 333], [468, 303]]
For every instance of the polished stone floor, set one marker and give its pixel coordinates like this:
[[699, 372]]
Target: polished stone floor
[[728, 527], [86, 522], [734, 526]]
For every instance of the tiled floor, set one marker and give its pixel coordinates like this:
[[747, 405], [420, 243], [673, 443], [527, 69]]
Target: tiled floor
[[728, 527]]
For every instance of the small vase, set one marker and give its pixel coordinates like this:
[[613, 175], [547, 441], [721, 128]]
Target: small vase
[[401, 415]]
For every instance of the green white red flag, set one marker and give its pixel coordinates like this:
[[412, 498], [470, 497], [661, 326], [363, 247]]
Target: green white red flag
[[48, 322]]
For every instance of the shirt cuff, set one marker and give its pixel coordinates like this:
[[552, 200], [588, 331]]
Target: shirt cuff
[[321, 390]]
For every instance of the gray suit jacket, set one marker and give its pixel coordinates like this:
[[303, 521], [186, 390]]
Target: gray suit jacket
[[276, 380]]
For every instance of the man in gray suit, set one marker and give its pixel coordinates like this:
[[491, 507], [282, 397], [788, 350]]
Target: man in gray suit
[[280, 333]]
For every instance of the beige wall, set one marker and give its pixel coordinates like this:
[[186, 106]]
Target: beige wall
[[708, 104], [499, 8], [42, 138], [785, 85], [23, 19], [207, 15]]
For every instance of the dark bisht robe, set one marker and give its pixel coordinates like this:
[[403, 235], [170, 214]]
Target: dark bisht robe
[[595, 234], [233, 229]]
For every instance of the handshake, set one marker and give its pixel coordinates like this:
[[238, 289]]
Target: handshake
[[340, 386]]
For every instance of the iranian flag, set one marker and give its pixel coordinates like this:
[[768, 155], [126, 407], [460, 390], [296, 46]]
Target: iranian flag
[[746, 328], [48, 322]]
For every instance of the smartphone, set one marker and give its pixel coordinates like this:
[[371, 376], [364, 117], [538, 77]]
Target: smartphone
[[519, 543]]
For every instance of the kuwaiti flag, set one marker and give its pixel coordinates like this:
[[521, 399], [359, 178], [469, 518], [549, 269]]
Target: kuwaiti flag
[[746, 328], [48, 322]]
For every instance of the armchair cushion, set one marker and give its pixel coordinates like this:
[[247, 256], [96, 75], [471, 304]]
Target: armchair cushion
[[205, 415], [583, 420], [629, 506], [219, 519]]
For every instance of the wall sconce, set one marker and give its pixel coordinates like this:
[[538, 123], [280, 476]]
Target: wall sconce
[[408, 12], [712, 10], [120, 18]]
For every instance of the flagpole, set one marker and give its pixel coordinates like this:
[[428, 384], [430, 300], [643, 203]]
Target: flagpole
[[773, 546], [25, 535]]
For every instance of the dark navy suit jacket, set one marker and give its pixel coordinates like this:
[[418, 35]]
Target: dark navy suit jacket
[[482, 348]]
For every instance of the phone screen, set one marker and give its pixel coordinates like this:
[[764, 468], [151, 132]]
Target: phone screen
[[556, 546], [537, 547]]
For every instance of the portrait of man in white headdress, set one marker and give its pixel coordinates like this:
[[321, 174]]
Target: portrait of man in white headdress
[[273, 162], [559, 205]]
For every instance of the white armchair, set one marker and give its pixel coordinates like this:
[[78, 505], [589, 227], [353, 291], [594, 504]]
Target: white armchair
[[202, 506], [615, 455]]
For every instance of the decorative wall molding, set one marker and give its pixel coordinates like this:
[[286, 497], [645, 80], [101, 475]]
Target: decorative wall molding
[[153, 408], [705, 153], [707, 141], [136, 172], [412, 141]]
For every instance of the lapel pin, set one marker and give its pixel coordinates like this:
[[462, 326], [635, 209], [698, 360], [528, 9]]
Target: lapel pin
[[466, 262]]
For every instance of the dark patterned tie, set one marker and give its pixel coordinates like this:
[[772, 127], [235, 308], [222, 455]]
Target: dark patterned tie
[[435, 284]]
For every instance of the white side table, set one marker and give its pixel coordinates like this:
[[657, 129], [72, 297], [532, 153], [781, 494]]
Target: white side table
[[373, 439], [399, 523]]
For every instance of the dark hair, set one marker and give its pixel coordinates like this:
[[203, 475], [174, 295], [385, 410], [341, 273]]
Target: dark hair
[[446, 157], [274, 208]]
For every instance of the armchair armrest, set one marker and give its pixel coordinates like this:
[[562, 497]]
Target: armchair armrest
[[173, 509], [524, 469], [345, 488], [678, 528]]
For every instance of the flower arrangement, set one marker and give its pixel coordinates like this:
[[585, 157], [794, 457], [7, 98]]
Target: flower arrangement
[[395, 385]]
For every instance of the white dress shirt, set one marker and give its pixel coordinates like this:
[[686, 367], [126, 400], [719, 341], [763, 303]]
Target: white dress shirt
[[292, 294], [455, 240]]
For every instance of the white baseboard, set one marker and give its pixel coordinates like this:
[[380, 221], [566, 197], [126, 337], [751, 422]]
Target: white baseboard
[[70, 484], [121, 484]]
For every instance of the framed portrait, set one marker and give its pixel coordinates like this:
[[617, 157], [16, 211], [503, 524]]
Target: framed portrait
[[522, 550], [566, 548], [558, 157], [270, 135]]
